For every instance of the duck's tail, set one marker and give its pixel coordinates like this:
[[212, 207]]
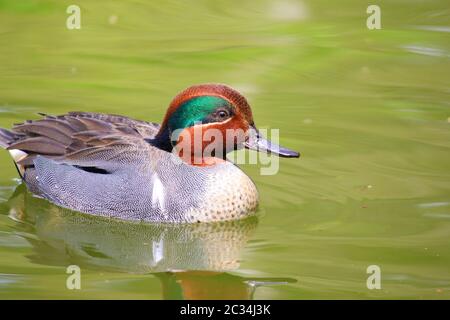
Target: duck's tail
[[7, 138]]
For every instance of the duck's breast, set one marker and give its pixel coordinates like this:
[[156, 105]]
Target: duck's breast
[[216, 193]]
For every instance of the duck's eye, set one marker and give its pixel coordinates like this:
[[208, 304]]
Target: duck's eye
[[222, 114]]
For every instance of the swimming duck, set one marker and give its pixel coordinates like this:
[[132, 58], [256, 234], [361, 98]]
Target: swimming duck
[[115, 166]]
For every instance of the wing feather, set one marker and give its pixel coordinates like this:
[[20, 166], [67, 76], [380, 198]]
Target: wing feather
[[80, 137]]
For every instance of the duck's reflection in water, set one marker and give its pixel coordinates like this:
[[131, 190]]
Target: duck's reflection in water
[[191, 260]]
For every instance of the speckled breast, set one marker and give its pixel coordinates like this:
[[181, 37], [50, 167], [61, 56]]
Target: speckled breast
[[228, 194]]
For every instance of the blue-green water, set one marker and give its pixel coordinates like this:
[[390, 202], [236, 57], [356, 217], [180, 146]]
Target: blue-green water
[[368, 110]]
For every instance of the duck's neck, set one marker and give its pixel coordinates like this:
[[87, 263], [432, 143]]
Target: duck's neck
[[162, 140]]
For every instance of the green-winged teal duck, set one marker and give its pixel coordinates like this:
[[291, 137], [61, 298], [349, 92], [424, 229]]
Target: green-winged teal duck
[[114, 166]]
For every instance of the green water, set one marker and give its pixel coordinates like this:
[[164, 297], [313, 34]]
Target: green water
[[368, 110]]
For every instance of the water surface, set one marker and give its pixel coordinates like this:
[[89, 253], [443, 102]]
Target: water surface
[[368, 110]]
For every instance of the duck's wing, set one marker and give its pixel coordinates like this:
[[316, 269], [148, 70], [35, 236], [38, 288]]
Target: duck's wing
[[78, 137]]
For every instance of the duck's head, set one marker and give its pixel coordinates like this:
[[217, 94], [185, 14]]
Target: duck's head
[[213, 117]]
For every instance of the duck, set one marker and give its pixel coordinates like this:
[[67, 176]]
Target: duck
[[114, 166]]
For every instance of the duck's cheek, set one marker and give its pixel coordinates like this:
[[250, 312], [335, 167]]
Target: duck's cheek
[[185, 143], [200, 141], [234, 139], [234, 133], [212, 140]]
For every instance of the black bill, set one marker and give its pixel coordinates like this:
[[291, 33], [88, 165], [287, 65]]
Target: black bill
[[256, 141]]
